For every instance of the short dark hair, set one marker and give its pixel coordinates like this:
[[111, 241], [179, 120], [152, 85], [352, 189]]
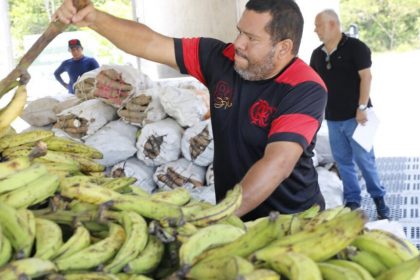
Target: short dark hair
[[286, 22]]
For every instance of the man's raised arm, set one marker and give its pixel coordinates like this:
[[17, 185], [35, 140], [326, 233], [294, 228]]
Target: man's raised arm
[[130, 36]]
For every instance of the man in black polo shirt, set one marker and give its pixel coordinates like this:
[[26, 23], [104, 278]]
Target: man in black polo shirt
[[266, 104], [344, 65]]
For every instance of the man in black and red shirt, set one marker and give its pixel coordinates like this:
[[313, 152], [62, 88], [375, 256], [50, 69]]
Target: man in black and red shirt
[[266, 104]]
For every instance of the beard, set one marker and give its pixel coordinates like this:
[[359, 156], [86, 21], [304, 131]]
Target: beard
[[257, 70]]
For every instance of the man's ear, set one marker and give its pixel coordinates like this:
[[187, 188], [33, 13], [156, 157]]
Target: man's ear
[[285, 47]]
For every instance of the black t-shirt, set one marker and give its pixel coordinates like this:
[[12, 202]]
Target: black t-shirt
[[342, 80], [247, 115]]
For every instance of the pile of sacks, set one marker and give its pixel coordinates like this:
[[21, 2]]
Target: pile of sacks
[[157, 132]]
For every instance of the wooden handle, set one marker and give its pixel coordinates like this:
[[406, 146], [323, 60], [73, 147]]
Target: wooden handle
[[20, 72]]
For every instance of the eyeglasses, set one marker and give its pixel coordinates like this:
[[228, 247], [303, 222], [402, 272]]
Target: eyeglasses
[[328, 62]]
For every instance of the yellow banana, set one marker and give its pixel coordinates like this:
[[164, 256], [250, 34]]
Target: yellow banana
[[19, 151], [406, 270], [405, 242], [70, 218], [257, 237], [22, 177], [17, 228], [14, 108], [27, 269], [390, 249], [323, 216], [83, 276], [6, 131], [32, 193], [136, 239], [296, 225], [217, 212], [5, 249], [14, 140], [184, 232], [11, 166], [95, 254], [333, 272], [136, 190], [370, 262], [234, 221], [205, 238], [90, 192], [27, 217], [66, 145], [237, 266], [74, 181], [360, 270], [57, 156], [117, 184], [78, 241], [169, 234], [71, 168], [320, 244], [80, 206], [149, 208], [139, 277], [309, 213], [177, 196], [224, 268], [148, 260], [260, 274], [87, 164], [194, 206], [296, 266], [49, 238], [96, 174]]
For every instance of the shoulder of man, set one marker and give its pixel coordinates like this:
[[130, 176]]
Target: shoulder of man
[[357, 42]]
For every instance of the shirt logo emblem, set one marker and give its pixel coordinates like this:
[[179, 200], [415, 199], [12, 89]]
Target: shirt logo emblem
[[260, 113], [223, 96]]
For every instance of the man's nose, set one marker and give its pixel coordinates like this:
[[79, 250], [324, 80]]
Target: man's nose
[[240, 42]]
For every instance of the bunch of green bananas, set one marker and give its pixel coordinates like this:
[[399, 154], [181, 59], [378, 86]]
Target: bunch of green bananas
[[96, 227], [331, 244], [61, 156]]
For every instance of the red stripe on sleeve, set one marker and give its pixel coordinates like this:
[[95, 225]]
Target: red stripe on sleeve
[[295, 123], [191, 57], [229, 52]]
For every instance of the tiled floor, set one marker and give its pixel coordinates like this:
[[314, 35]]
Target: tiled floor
[[401, 178]]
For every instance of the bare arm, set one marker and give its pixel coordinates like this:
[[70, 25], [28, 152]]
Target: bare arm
[[365, 82], [266, 174], [130, 36]]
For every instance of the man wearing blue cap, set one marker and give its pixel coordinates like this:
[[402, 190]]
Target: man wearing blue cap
[[75, 66]]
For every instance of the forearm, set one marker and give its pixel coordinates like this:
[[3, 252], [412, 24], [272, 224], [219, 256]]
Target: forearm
[[266, 174], [135, 38], [60, 80], [365, 83]]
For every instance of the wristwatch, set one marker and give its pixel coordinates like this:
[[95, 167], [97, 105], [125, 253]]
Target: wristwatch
[[362, 107]]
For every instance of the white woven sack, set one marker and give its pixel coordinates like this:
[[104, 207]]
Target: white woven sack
[[184, 168], [133, 167], [96, 112], [170, 134], [116, 141], [184, 105], [205, 157]]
